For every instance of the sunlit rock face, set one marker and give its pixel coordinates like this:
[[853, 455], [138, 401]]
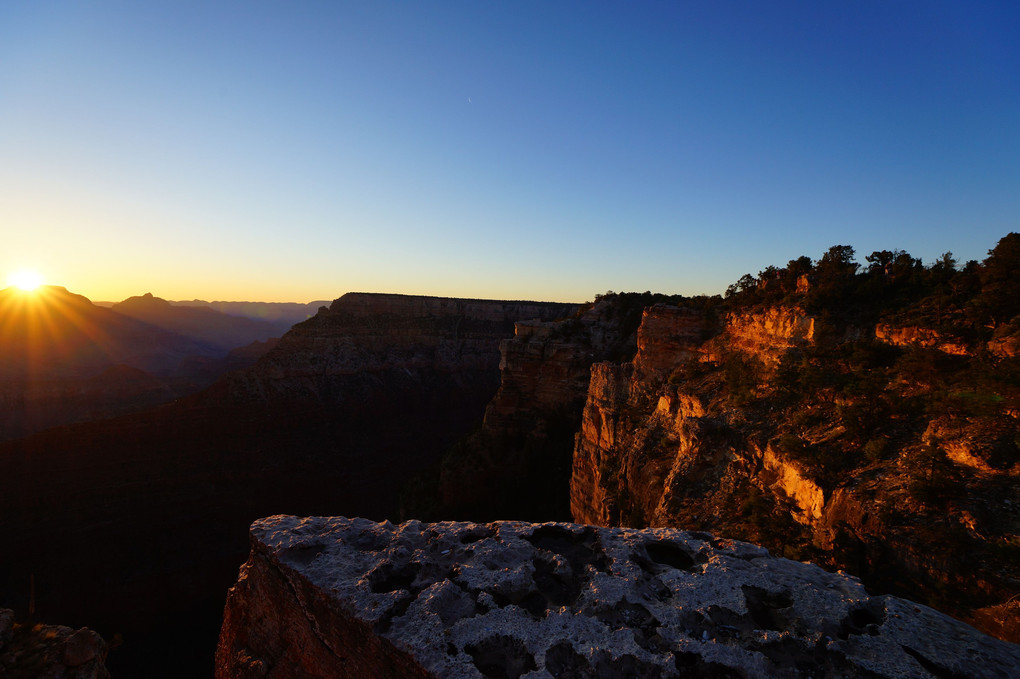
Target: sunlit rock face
[[668, 439], [769, 334], [518, 463], [904, 336], [337, 597]]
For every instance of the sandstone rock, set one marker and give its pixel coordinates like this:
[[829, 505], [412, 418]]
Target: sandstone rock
[[768, 334], [922, 337], [1005, 346], [337, 597], [668, 335], [671, 440], [529, 425]]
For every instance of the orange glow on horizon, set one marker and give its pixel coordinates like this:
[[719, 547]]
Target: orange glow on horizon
[[26, 280], [45, 330]]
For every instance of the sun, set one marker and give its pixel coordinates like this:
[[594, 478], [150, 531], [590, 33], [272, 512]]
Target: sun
[[25, 279]]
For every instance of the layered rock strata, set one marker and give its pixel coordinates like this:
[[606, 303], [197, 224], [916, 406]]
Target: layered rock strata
[[365, 336], [337, 597], [700, 434], [518, 463]]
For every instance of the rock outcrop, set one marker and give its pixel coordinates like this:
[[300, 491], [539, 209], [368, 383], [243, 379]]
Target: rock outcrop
[[51, 651], [518, 462], [904, 336], [738, 427], [348, 351], [336, 597]]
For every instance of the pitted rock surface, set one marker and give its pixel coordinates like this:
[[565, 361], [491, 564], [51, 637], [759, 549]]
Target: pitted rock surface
[[338, 597]]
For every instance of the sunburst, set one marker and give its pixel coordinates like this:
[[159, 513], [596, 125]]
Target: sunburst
[[26, 280]]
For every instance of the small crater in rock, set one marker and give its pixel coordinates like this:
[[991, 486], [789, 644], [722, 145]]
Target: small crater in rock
[[864, 619], [501, 657], [765, 607], [302, 555], [625, 667], [580, 549], [368, 541], [670, 554], [693, 665], [396, 610], [555, 588], [388, 578], [474, 535], [562, 661], [635, 617]]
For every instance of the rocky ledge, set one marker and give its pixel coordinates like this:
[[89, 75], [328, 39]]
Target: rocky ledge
[[337, 597], [50, 651]]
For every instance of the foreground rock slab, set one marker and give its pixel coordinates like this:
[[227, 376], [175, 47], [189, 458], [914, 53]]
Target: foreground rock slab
[[338, 597]]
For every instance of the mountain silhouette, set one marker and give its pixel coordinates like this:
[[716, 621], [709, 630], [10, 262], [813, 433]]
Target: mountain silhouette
[[55, 333], [217, 329]]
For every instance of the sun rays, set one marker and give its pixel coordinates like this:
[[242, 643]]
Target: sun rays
[[46, 330], [26, 280]]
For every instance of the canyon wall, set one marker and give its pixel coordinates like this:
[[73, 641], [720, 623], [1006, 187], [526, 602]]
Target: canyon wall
[[517, 464], [337, 597], [136, 525], [742, 434]]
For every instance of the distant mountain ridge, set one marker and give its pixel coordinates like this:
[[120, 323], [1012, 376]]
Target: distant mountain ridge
[[288, 312], [56, 333], [219, 329], [64, 359]]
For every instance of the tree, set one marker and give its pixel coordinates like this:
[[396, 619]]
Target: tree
[[839, 259], [1000, 280]]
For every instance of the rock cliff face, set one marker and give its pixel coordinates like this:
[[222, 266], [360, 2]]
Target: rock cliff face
[[365, 341], [518, 463], [923, 337], [698, 432], [335, 597], [152, 509]]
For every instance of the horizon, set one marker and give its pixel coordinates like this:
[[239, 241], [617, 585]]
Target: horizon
[[534, 152]]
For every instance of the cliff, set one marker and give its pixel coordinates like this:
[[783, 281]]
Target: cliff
[[336, 597], [362, 336], [152, 509], [518, 462], [817, 444]]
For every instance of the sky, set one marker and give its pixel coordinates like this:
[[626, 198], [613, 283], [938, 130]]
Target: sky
[[295, 151]]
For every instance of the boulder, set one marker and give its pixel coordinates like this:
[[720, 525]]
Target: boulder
[[339, 597]]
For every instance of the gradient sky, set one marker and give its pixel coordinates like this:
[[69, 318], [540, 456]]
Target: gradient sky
[[291, 151]]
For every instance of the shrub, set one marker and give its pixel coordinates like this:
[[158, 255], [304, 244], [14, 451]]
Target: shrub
[[874, 449]]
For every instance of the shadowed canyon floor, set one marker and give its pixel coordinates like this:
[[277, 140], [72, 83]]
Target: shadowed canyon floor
[[136, 525]]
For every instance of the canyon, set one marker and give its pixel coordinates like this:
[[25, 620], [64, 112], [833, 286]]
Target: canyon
[[136, 525], [858, 420]]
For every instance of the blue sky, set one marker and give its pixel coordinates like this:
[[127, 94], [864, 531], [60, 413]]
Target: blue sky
[[549, 150]]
